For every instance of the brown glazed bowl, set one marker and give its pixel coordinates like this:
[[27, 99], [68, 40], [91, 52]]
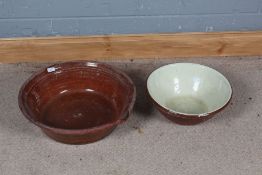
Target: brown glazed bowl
[[77, 102], [188, 93]]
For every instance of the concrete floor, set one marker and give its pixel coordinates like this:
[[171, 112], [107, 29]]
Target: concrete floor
[[230, 143]]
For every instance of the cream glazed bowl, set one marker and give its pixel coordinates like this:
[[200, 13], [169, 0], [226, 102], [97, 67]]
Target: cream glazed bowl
[[188, 93]]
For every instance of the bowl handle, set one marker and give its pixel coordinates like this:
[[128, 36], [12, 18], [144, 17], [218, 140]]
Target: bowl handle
[[122, 120]]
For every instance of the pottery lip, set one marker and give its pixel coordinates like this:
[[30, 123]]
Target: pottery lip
[[186, 115], [121, 118]]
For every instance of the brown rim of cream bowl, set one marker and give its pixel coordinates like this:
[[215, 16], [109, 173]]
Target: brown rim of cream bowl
[[188, 93]]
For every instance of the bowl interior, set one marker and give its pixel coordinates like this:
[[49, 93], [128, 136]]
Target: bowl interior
[[188, 88], [77, 95]]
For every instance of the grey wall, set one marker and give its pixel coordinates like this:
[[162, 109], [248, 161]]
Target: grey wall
[[80, 17]]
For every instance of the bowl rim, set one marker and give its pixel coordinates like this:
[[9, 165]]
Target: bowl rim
[[128, 108], [188, 114]]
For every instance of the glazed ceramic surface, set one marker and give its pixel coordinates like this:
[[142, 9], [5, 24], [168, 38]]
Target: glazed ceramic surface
[[189, 90], [77, 102]]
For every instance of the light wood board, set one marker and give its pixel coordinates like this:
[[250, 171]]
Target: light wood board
[[140, 46]]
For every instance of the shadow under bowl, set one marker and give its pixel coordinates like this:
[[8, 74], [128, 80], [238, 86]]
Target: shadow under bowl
[[77, 102], [188, 93]]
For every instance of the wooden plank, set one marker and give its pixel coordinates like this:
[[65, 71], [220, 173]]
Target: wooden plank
[[130, 46]]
